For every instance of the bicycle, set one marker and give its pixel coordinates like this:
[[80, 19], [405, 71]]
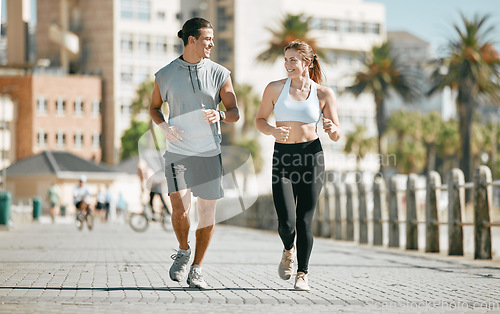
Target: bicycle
[[81, 218], [139, 222]]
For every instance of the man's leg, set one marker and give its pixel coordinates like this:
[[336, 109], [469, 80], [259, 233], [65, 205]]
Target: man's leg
[[181, 204], [206, 223]]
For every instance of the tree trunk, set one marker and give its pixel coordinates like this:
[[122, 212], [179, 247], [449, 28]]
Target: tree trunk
[[380, 107], [431, 157], [466, 116]]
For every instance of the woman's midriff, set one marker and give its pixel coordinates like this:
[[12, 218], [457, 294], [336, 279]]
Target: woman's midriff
[[299, 132]]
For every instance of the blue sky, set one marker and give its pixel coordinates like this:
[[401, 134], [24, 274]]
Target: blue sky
[[432, 20]]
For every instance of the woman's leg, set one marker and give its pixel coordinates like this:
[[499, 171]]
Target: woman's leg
[[284, 203], [308, 191]]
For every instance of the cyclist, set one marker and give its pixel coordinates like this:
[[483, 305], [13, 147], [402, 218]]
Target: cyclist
[[81, 196]]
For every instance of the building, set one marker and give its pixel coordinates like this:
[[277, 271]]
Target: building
[[7, 130], [59, 113], [123, 41], [415, 54], [345, 29], [34, 175]]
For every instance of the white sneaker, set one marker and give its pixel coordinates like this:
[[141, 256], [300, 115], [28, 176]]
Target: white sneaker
[[195, 278], [301, 282], [285, 268], [179, 266]]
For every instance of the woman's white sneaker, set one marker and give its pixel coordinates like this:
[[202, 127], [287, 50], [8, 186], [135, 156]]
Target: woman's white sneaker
[[301, 282], [285, 268]]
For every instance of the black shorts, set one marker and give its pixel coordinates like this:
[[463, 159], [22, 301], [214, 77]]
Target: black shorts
[[203, 175]]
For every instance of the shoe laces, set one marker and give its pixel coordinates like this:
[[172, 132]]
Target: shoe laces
[[301, 276], [178, 254]]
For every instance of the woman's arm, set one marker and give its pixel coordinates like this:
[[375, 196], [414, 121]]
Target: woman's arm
[[271, 94], [331, 124]]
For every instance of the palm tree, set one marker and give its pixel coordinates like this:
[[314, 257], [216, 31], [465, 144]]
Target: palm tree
[[141, 102], [430, 131], [471, 68], [292, 27], [448, 144], [359, 143], [142, 97], [383, 73]]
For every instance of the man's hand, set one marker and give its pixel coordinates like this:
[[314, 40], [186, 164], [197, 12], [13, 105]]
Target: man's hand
[[211, 116], [172, 133]]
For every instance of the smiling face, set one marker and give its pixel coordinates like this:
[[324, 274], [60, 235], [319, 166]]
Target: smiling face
[[204, 43], [295, 65]]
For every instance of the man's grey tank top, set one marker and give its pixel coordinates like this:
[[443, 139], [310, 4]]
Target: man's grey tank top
[[188, 88]]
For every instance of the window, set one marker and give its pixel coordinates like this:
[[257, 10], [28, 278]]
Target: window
[[60, 140], [144, 10], [222, 19], [78, 140], [60, 106], [224, 50], [179, 48], [125, 109], [78, 107], [142, 75], [42, 139], [41, 105], [96, 108], [374, 28], [160, 15], [96, 140], [127, 9], [126, 73], [315, 23], [161, 44], [332, 25], [143, 44], [126, 43]]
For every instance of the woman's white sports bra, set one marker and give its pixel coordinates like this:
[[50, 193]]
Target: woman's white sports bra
[[306, 111]]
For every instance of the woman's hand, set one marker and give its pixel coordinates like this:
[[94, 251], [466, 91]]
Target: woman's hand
[[329, 127], [281, 133]]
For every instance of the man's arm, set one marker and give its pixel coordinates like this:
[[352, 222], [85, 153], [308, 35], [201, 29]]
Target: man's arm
[[228, 98], [171, 132]]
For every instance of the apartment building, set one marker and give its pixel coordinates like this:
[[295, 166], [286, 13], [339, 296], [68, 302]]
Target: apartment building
[[123, 41], [56, 113]]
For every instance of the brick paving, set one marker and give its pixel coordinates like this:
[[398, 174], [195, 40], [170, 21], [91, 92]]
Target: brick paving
[[57, 269]]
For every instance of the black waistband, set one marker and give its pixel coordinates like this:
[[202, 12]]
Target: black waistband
[[309, 147]]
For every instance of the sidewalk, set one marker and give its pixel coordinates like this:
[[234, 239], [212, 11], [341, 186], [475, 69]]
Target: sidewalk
[[55, 268]]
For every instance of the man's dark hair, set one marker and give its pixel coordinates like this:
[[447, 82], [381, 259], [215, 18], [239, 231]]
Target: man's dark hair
[[192, 28]]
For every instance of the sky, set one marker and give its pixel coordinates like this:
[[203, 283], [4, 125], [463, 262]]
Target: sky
[[432, 20]]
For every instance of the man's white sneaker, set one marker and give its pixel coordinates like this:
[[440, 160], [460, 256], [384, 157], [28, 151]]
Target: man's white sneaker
[[179, 266], [285, 268], [195, 278], [301, 282]]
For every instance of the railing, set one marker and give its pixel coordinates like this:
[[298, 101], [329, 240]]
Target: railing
[[330, 218]]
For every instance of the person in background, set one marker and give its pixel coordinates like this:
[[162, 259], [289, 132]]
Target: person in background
[[54, 196], [299, 102]]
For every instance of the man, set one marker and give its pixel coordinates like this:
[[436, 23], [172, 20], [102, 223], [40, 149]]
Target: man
[[193, 86]]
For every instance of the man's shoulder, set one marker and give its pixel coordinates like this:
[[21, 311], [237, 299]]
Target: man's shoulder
[[214, 65], [167, 68]]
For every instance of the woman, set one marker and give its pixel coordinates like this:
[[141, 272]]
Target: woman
[[298, 165]]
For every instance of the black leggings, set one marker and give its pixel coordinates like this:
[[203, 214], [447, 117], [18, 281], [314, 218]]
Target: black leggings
[[298, 176]]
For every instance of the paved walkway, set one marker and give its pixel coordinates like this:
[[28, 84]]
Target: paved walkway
[[55, 268]]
